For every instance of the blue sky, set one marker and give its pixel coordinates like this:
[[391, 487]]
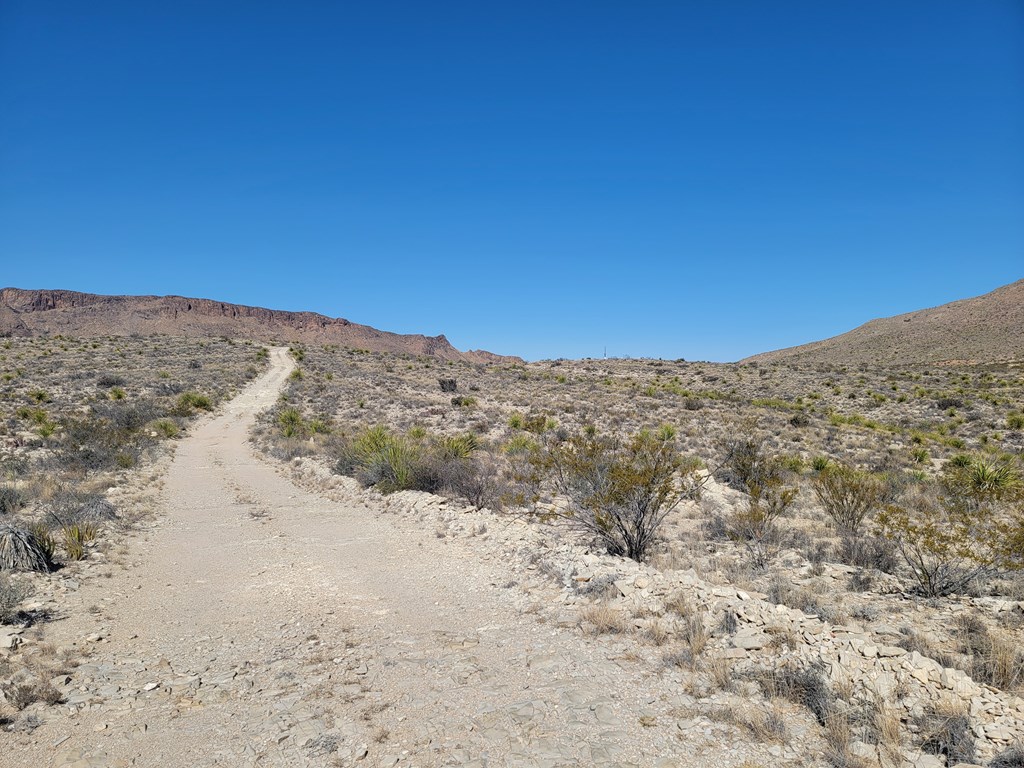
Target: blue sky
[[700, 179]]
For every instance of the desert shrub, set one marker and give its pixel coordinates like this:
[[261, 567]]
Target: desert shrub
[[755, 525], [128, 417], [21, 695], [95, 509], [619, 491], [995, 658], [291, 423], [946, 730], [847, 495], [971, 484], [189, 402], [11, 595], [1012, 757], [476, 479], [448, 385], [11, 499], [746, 463], [781, 591], [873, 552], [166, 428], [393, 462], [820, 463], [802, 685], [108, 380], [464, 401], [92, 444], [21, 551], [959, 535]]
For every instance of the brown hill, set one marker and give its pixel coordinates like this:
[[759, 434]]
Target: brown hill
[[984, 329], [39, 312]]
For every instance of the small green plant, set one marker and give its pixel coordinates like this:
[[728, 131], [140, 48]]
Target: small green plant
[[291, 423], [116, 393], [166, 428], [193, 401], [820, 463], [75, 537], [1015, 421], [44, 539]]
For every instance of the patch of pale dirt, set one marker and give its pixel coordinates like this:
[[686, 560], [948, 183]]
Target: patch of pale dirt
[[263, 624]]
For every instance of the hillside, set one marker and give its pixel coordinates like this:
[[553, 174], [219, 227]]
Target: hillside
[[41, 312], [983, 329]]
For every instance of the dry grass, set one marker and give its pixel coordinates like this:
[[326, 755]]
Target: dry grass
[[603, 619]]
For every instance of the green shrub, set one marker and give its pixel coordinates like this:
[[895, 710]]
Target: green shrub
[[620, 492], [1015, 421], [291, 423], [75, 537], [166, 428], [192, 401], [848, 496], [970, 529]]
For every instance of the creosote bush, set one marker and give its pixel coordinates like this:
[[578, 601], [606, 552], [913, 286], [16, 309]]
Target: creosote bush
[[969, 528], [847, 495], [619, 491]]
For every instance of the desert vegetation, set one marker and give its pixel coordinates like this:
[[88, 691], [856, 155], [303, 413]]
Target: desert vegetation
[[855, 496]]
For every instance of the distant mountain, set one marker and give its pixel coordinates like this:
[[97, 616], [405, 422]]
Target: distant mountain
[[40, 312], [985, 329]]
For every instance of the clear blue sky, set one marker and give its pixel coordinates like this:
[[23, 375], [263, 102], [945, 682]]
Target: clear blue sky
[[691, 178]]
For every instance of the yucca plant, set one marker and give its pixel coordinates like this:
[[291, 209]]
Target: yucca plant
[[21, 551], [75, 539]]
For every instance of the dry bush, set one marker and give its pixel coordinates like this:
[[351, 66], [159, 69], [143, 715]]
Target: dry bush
[[22, 694], [20, 550], [11, 595], [765, 726], [801, 685], [945, 729], [1012, 757], [782, 591]]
